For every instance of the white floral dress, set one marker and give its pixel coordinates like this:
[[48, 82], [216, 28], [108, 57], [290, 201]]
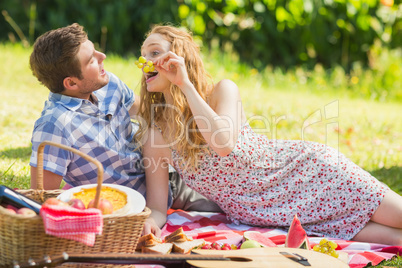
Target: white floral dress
[[265, 182]]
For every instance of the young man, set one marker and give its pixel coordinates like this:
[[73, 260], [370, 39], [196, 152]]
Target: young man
[[89, 109]]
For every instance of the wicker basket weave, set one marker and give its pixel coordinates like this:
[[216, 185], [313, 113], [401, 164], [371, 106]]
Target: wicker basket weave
[[22, 238]]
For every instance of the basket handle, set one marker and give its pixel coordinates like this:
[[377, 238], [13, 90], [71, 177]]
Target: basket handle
[[39, 180]]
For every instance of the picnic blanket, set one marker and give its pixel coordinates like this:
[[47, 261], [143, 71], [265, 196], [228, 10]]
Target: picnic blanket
[[215, 227]]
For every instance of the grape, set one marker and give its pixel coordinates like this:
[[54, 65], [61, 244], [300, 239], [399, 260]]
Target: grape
[[334, 254], [147, 66], [323, 241], [327, 247], [332, 244], [142, 59]]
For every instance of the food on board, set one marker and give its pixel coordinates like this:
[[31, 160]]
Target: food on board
[[259, 237], [116, 197], [296, 237]]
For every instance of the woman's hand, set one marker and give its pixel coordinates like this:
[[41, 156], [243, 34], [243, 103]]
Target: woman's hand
[[173, 67], [150, 226]]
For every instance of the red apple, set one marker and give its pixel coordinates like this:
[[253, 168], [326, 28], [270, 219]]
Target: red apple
[[104, 205], [54, 201], [76, 203], [11, 211], [26, 212], [11, 207]]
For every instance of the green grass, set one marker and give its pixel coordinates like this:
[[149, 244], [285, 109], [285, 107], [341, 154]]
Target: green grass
[[280, 105], [393, 263], [298, 104]]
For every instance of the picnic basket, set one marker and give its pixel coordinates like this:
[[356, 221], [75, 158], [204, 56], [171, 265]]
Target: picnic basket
[[23, 238]]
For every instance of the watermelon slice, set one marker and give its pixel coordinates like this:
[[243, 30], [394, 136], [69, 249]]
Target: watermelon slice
[[297, 237], [262, 239]]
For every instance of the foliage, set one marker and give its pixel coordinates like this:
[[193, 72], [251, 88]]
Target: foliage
[[289, 33], [116, 26], [262, 32]]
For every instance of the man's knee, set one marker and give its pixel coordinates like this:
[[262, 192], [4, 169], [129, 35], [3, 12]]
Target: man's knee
[[187, 199]]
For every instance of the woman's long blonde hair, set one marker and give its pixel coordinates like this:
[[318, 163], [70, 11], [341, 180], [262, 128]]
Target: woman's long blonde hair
[[186, 136]]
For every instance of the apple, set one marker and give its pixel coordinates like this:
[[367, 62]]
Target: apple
[[76, 203], [11, 211], [250, 244], [26, 212], [11, 207], [104, 205], [55, 201]]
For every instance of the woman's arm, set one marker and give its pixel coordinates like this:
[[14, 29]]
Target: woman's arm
[[135, 107], [156, 157], [220, 120]]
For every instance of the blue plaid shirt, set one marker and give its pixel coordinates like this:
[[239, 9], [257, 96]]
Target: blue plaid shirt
[[102, 130]]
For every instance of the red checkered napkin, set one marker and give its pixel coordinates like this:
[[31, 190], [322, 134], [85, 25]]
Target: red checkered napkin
[[71, 223]]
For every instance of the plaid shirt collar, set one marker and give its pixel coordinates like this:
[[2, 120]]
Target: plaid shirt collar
[[70, 103], [83, 105]]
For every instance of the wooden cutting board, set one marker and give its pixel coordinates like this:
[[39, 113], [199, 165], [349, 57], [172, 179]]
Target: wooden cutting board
[[270, 257], [253, 257]]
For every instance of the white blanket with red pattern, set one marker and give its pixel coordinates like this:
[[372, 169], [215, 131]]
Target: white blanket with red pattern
[[214, 227]]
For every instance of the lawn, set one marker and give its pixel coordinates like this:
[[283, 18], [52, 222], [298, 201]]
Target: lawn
[[277, 104], [292, 105]]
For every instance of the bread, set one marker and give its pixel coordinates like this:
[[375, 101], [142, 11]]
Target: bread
[[176, 242], [148, 240], [177, 236], [164, 248], [187, 246]]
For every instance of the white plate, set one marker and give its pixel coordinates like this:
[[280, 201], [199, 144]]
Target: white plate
[[134, 197]]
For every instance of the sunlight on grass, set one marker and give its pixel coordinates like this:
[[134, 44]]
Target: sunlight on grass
[[277, 104], [21, 103]]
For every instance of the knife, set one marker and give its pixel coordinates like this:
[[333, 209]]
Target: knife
[[296, 257]]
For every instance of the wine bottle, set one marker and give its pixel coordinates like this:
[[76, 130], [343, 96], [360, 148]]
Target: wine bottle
[[10, 197]]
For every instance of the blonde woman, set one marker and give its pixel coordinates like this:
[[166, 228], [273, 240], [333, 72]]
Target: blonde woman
[[200, 128]]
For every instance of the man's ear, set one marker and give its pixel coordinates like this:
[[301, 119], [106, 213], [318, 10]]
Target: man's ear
[[69, 83]]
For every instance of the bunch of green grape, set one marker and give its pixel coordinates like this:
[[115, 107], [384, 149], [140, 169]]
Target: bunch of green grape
[[327, 247], [148, 66]]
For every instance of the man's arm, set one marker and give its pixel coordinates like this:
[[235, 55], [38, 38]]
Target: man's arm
[[51, 181]]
